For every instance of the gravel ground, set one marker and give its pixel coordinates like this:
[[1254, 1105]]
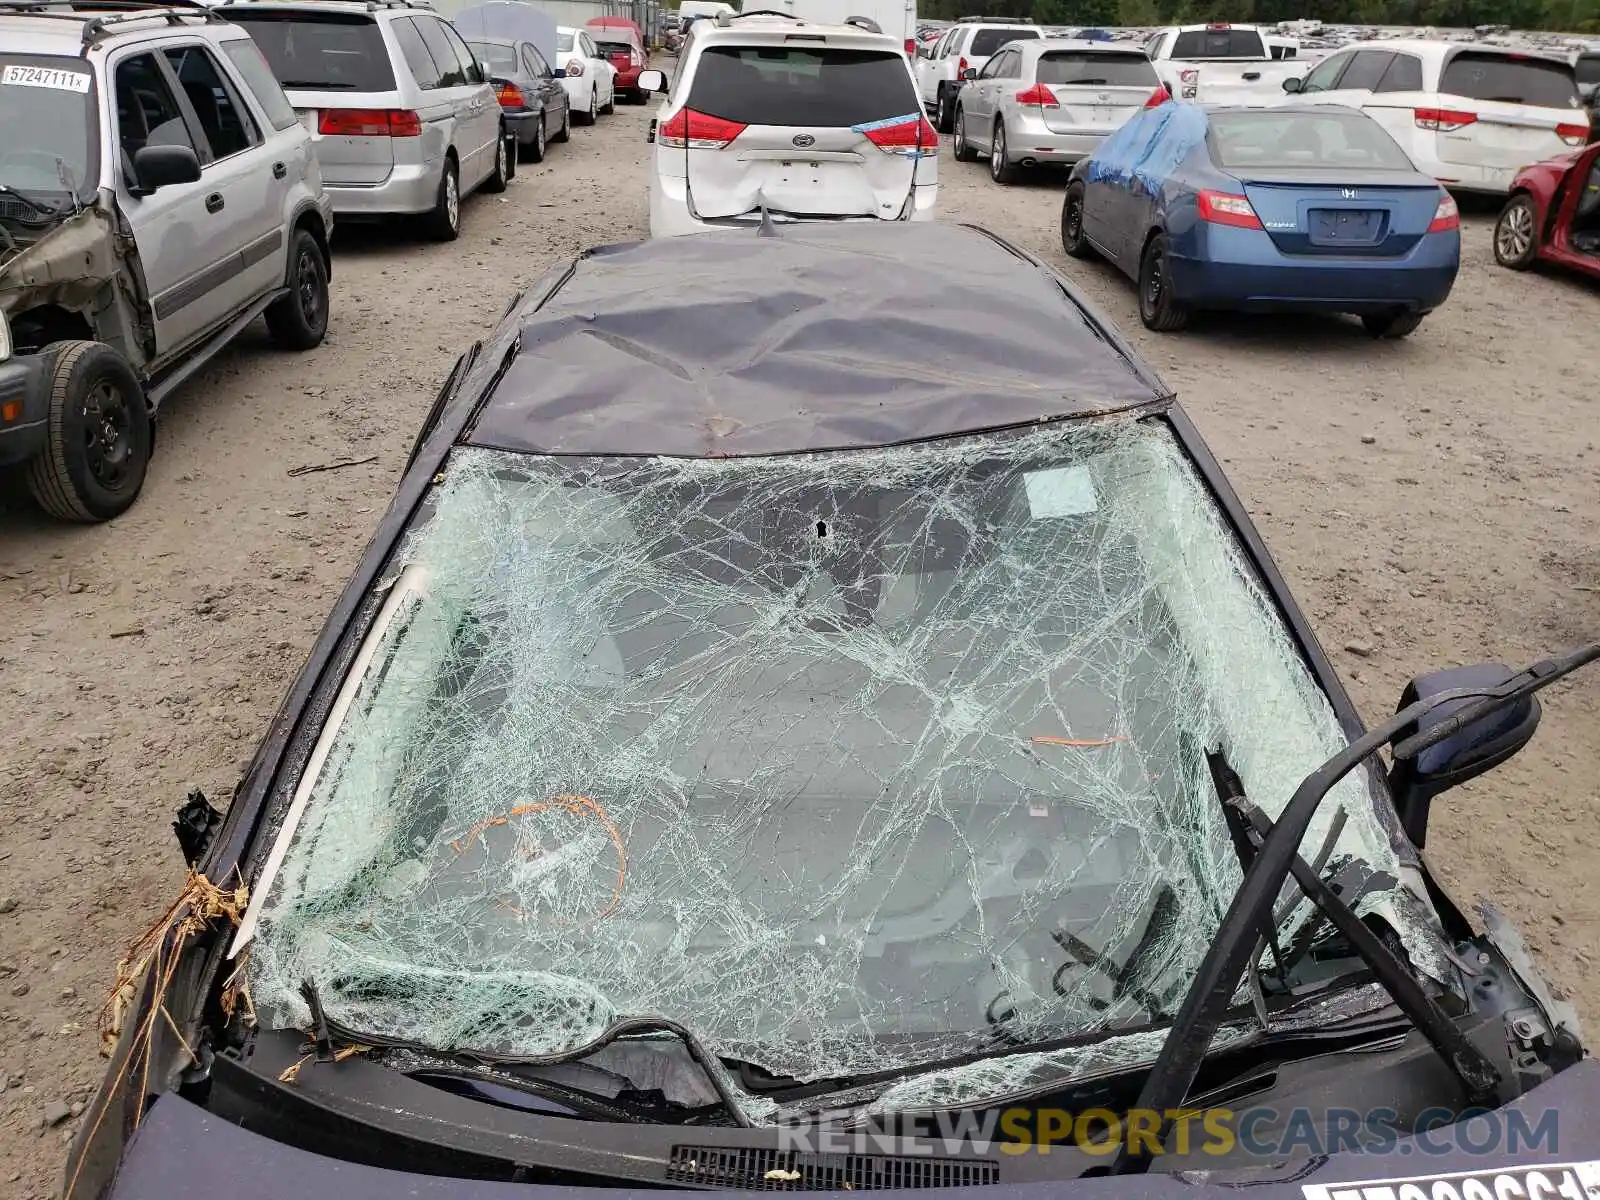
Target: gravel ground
[[1432, 501]]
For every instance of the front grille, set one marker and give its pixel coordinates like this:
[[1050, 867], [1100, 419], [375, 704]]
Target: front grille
[[748, 1169]]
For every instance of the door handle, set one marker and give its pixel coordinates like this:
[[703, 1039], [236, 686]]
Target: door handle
[[214, 202], [279, 170]]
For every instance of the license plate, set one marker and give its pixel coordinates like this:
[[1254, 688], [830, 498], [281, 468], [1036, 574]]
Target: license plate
[[1557, 1181], [1345, 225]]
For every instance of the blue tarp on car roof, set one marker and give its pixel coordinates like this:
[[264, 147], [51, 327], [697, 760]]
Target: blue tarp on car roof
[[1150, 147]]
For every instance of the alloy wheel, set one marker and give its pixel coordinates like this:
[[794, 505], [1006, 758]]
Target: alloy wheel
[[997, 152], [1513, 234], [308, 287]]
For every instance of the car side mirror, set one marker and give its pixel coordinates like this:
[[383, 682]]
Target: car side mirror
[[1465, 754], [970, 73], [652, 81], [156, 167], [1292, 85]]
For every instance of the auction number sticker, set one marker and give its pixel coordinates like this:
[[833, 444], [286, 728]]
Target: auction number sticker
[[1559, 1181], [46, 77]]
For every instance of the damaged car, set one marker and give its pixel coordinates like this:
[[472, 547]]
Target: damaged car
[[157, 195], [817, 718]]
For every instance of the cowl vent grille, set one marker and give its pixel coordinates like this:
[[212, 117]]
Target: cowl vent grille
[[760, 1170]]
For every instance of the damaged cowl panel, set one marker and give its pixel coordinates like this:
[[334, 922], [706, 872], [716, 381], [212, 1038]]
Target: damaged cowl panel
[[849, 761]]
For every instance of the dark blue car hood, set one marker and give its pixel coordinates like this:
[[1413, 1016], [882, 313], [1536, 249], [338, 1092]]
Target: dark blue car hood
[[183, 1151]]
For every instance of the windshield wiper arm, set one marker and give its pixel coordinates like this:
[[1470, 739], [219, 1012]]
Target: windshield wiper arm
[[1228, 956]]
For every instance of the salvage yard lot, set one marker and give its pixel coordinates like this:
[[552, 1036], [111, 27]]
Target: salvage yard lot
[[1431, 501]]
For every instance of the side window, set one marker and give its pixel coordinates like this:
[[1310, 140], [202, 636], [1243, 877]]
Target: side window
[[225, 121], [952, 47], [1323, 75], [587, 46], [1404, 75], [469, 64], [423, 69], [258, 77], [532, 63], [1365, 70], [147, 112], [451, 71], [991, 69]]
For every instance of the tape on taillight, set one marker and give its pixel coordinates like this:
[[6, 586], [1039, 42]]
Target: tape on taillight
[[911, 134]]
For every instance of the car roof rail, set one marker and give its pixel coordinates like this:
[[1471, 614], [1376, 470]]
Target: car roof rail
[[99, 16], [995, 21], [725, 20]]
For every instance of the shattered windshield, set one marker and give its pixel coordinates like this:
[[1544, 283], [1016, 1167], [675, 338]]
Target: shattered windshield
[[846, 761], [47, 155]]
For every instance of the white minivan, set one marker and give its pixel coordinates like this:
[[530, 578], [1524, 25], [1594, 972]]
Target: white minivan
[[804, 121], [1470, 115]]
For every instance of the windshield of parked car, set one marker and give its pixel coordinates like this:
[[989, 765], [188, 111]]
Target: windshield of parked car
[[1289, 139], [1202, 44], [793, 85], [846, 761], [500, 56], [986, 41], [1514, 78], [313, 51], [1065, 67], [48, 152]]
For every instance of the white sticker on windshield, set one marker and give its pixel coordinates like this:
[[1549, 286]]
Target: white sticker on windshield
[[46, 77], [1059, 492]]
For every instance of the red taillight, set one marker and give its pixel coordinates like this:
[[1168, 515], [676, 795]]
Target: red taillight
[[697, 131], [574, 68], [1225, 208], [510, 96], [1040, 95], [911, 47], [635, 59], [961, 67], [1442, 118], [903, 135], [1158, 97], [1573, 135], [369, 122], [1446, 217]]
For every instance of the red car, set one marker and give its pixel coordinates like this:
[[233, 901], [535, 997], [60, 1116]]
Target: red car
[[621, 41], [1553, 214]]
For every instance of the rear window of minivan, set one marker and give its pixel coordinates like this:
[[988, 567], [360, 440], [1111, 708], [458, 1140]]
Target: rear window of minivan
[[986, 41], [336, 52], [790, 85], [1479, 75], [1104, 70]]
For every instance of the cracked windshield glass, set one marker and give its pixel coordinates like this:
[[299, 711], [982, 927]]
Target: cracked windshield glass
[[47, 156], [849, 762]]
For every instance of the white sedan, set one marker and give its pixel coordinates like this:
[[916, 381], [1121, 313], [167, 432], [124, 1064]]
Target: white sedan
[[591, 81]]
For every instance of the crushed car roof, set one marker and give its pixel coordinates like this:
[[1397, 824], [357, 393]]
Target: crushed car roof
[[822, 337]]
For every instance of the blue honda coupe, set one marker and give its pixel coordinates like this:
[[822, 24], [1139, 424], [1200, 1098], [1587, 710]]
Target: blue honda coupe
[[1261, 209]]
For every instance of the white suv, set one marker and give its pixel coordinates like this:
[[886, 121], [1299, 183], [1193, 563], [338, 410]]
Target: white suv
[[968, 44], [802, 120]]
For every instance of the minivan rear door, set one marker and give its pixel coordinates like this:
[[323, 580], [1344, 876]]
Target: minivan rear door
[[810, 125], [1095, 90], [1504, 110]]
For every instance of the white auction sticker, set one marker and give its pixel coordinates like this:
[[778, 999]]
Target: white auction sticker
[[47, 77], [1558, 1181]]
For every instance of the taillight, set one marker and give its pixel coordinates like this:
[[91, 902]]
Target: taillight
[[1446, 217], [369, 122], [1225, 208], [697, 130], [1158, 97], [911, 47], [961, 67], [1573, 135], [902, 135], [635, 59], [510, 96], [574, 68], [1040, 95], [1442, 118]]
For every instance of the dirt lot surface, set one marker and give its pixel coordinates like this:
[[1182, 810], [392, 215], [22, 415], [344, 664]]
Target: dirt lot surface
[[1432, 501]]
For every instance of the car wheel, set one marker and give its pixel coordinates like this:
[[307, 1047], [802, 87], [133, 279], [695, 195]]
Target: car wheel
[[98, 434], [501, 175], [593, 114], [962, 151], [610, 106], [1000, 170], [942, 112], [1072, 239], [1516, 242], [534, 152], [564, 134], [444, 222], [1157, 308], [299, 320], [1392, 325]]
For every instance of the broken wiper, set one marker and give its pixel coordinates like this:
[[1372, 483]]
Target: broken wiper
[[1277, 856]]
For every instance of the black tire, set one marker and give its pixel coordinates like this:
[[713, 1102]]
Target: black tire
[[1072, 239], [98, 435], [959, 147], [1392, 325], [1157, 309], [1516, 234], [503, 170], [943, 111], [590, 116], [299, 321], [1000, 170], [444, 222], [610, 106], [534, 151], [564, 134]]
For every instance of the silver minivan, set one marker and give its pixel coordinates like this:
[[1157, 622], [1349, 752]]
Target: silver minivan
[[403, 118]]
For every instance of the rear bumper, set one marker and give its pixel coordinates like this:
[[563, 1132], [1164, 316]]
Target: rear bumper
[[1242, 269], [1466, 177], [408, 189], [22, 382], [522, 124], [670, 215], [1030, 140], [627, 78]]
